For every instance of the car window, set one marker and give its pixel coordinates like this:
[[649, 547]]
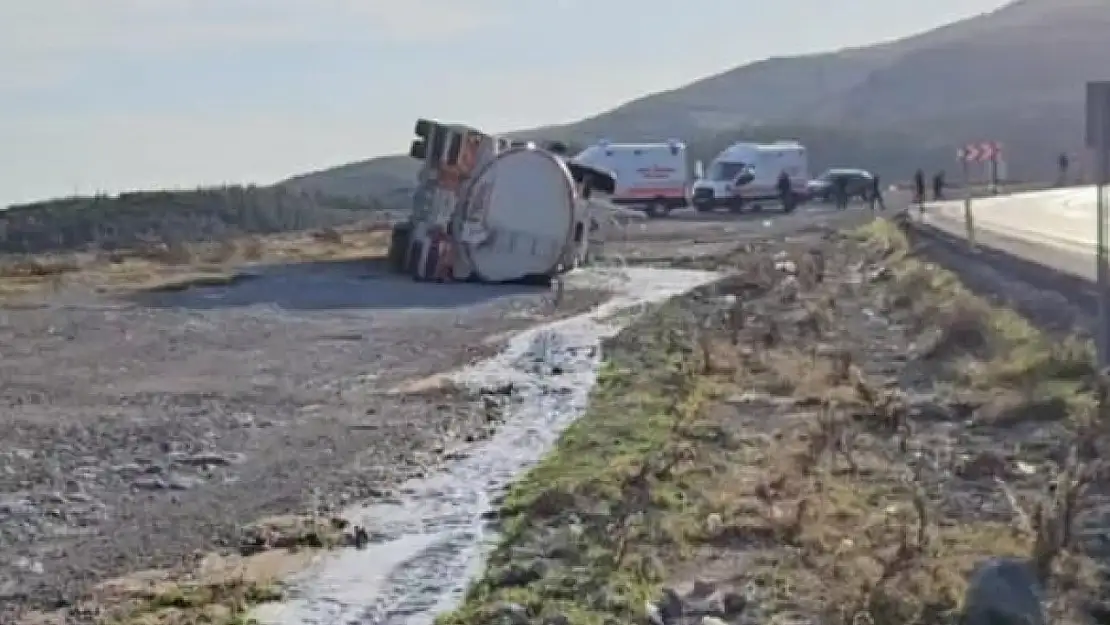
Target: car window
[[725, 171]]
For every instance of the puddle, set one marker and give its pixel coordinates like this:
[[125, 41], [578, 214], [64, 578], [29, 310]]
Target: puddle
[[428, 544]]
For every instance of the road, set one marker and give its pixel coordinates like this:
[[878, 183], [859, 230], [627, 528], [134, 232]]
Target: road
[[1053, 228]]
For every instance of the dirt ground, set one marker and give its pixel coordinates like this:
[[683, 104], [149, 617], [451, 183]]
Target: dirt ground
[[838, 433], [143, 427]]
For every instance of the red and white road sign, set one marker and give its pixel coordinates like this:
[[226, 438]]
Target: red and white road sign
[[979, 152]]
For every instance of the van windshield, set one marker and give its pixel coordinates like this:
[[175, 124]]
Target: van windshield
[[721, 170]]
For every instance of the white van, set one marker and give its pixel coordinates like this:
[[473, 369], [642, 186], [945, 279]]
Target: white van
[[748, 173], [652, 176]]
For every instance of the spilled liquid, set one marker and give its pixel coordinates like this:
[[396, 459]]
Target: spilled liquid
[[429, 543]]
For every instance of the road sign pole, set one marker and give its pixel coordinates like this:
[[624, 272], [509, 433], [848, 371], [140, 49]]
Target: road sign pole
[[1102, 155], [968, 220], [1098, 139], [994, 172]]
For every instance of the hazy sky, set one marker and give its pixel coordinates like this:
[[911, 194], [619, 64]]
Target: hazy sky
[[109, 95]]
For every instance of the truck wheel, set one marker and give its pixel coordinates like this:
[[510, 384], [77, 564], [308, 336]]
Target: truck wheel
[[398, 246], [431, 263], [658, 209], [757, 208], [416, 250]]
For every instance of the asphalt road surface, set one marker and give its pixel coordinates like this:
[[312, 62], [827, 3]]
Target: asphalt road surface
[[1054, 228]]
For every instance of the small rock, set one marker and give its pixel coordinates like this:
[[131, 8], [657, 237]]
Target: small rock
[[18, 507], [1003, 591], [206, 460], [128, 470], [183, 482], [983, 466], [733, 603], [712, 620], [1099, 610], [522, 574], [502, 389], [88, 474], [513, 613], [749, 397], [55, 498], [880, 274], [702, 588], [556, 619], [149, 483], [671, 605], [376, 492], [707, 606], [926, 410]]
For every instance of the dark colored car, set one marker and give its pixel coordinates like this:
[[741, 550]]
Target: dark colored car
[[859, 184]]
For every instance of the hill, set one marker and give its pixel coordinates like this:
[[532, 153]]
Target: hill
[[134, 219], [1013, 75], [387, 179]]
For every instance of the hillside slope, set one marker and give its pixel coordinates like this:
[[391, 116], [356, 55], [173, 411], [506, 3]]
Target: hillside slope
[[134, 219], [386, 179], [1014, 75]]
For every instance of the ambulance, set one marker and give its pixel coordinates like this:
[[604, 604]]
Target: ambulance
[[746, 175], [654, 177]]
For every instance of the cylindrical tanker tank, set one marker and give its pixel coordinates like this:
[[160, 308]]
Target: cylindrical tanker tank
[[519, 216]]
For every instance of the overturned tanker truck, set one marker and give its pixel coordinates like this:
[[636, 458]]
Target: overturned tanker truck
[[489, 210]]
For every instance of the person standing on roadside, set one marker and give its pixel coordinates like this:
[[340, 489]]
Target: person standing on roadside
[[919, 187], [786, 192], [876, 196], [840, 189], [938, 186]]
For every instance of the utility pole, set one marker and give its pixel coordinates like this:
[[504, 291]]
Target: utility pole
[[1098, 139]]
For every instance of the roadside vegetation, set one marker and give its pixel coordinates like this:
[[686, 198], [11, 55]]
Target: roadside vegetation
[[839, 432]]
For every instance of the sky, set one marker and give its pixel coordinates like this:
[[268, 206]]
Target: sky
[[115, 95]]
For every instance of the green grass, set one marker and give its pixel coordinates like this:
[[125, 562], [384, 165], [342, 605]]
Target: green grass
[[568, 524], [1015, 354]]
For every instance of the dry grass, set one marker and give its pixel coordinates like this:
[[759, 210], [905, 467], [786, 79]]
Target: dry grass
[[175, 266], [743, 445]]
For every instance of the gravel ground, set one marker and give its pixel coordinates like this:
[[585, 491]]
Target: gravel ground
[[135, 434], [139, 432]]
